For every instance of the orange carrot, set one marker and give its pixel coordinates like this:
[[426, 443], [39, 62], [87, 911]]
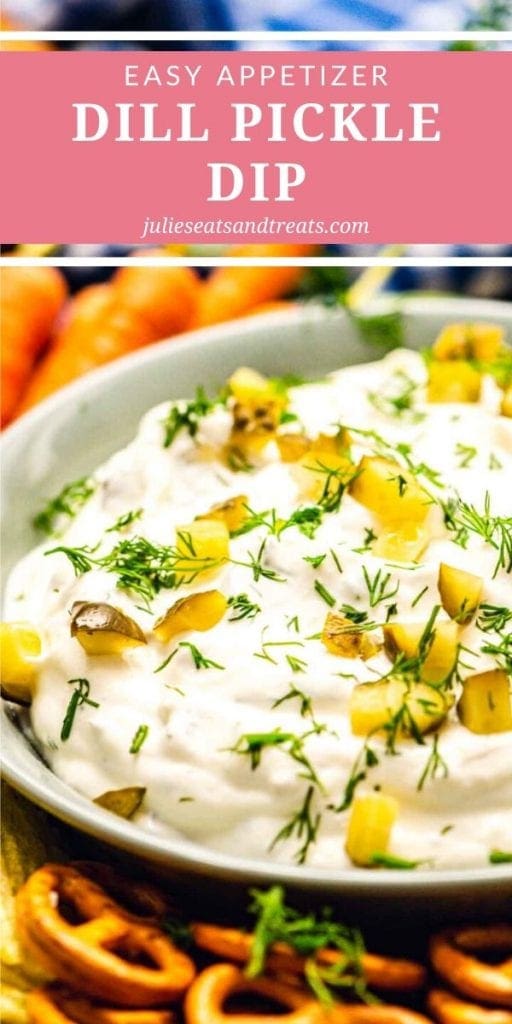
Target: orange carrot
[[231, 291], [164, 296], [138, 306], [30, 299]]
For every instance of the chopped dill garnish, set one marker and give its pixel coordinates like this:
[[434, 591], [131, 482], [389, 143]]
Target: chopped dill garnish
[[79, 696], [243, 608], [494, 462], [296, 664], [500, 857], [187, 416], [389, 860], [465, 454], [126, 519], [396, 398], [314, 560], [380, 587], [435, 766], [141, 566], [257, 566], [419, 596], [67, 503], [306, 707], [304, 824], [493, 618], [325, 594], [199, 659], [139, 738], [462, 519]]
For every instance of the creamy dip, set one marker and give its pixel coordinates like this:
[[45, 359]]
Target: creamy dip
[[268, 670]]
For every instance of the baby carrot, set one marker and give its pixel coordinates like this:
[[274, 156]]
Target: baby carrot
[[30, 299], [232, 291], [138, 306]]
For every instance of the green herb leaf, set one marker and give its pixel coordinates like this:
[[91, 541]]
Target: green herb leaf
[[67, 503], [79, 696]]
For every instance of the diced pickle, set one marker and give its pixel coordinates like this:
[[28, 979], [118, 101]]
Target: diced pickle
[[20, 649], [198, 612], [123, 802], [256, 411], [369, 828], [389, 491], [319, 474], [374, 705], [506, 403], [342, 637], [233, 512], [247, 385], [469, 341], [460, 592], [404, 544], [254, 425], [485, 706], [404, 638], [453, 381], [292, 446], [203, 548], [102, 629]]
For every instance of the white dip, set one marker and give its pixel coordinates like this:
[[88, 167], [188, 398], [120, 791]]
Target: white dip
[[452, 811]]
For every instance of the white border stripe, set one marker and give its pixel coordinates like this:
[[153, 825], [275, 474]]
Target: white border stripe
[[216, 261], [256, 37]]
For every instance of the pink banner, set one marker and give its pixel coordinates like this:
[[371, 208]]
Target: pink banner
[[194, 147]]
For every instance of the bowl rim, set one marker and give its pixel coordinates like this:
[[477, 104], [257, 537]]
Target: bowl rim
[[181, 853]]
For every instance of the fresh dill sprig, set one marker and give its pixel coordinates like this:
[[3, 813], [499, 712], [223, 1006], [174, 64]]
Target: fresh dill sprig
[[493, 618], [307, 519], [462, 519], [296, 664], [304, 823], [243, 608], [306, 706], [67, 503], [187, 416], [141, 566], [435, 766], [307, 934], [126, 519], [198, 658], [396, 398], [380, 588], [257, 565]]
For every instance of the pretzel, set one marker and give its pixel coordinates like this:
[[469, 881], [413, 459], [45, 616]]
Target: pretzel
[[52, 1005], [214, 986], [451, 950], [142, 898], [380, 972], [98, 955], [449, 1009]]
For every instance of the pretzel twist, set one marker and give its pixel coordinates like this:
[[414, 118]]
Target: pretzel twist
[[449, 1009], [451, 955], [140, 897], [52, 1005], [386, 973], [98, 956], [214, 986]]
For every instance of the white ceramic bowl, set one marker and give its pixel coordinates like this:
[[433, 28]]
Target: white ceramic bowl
[[72, 432]]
